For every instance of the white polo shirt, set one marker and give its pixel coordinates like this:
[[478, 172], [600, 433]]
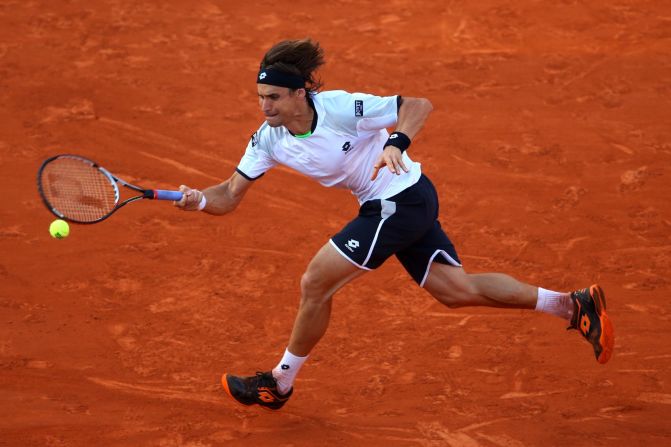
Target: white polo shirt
[[342, 150]]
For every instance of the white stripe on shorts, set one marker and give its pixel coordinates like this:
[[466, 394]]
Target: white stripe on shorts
[[449, 259], [347, 257], [388, 210]]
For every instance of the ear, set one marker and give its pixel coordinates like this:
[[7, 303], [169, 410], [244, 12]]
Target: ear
[[300, 93]]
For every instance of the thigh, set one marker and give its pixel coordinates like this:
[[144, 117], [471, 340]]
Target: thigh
[[454, 287], [448, 283], [328, 271], [433, 247], [381, 229], [357, 241], [387, 226]]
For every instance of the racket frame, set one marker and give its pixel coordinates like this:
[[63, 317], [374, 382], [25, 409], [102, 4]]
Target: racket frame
[[151, 194]]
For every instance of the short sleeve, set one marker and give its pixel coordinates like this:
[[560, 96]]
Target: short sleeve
[[360, 112], [257, 158], [375, 112]]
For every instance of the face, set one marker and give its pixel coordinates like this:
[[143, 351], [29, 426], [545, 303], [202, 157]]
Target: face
[[279, 104]]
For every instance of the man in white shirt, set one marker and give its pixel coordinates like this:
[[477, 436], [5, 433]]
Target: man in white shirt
[[341, 140]]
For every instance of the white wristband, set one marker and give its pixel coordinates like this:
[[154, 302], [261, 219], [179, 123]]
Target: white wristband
[[202, 204]]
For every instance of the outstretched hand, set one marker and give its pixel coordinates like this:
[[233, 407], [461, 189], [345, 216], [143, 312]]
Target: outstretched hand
[[190, 199], [392, 158]]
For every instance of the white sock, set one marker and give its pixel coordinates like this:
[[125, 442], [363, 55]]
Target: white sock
[[286, 371], [555, 303]]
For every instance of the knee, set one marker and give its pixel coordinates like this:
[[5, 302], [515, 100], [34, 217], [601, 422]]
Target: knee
[[313, 288], [451, 300], [459, 294]]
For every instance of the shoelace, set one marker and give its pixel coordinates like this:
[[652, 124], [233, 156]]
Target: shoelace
[[577, 307], [265, 379]]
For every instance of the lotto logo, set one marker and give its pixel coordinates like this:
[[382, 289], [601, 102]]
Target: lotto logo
[[262, 76], [352, 244], [266, 397]]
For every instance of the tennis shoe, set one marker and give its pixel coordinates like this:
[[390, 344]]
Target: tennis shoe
[[590, 318], [260, 389]]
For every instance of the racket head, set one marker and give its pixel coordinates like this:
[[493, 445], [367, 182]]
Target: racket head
[[76, 189]]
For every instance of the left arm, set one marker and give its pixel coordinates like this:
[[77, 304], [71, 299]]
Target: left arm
[[411, 117]]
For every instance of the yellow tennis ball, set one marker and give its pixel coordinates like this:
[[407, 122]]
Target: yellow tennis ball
[[59, 229]]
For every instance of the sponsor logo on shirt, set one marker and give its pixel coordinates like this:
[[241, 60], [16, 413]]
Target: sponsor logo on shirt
[[346, 147], [255, 139], [358, 107]]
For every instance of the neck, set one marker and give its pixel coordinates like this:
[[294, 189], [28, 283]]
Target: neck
[[302, 120]]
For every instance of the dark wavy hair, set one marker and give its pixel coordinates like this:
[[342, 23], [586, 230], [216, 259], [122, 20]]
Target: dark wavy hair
[[300, 57]]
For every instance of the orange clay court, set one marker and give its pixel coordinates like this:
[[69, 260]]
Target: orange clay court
[[550, 147]]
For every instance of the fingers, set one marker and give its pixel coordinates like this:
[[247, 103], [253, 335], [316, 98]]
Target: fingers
[[396, 160], [393, 166], [402, 165], [376, 169], [190, 198], [392, 158], [182, 202]]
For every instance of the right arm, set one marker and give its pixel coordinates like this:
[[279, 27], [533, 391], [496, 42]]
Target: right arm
[[220, 199]]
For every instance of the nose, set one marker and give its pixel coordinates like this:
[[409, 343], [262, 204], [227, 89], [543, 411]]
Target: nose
[[265, 105]]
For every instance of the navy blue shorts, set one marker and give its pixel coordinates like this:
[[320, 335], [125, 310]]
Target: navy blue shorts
[[405, 225]]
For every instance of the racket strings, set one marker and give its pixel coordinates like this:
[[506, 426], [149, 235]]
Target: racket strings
[[78, 190]]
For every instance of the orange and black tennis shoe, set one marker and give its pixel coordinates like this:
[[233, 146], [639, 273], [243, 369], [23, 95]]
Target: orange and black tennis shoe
[[590, 318], [260, 389]]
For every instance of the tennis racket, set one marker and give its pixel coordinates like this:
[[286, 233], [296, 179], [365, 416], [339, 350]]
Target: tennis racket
[[80, 191]]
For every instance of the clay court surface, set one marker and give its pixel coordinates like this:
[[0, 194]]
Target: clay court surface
[[550, 146]]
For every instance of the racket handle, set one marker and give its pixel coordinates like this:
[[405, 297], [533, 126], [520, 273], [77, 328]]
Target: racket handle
[[162, 194]]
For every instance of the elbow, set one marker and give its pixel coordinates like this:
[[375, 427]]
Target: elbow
[[222, 210], [233, 205], [427, 106], [234, 199], [421, 106], [417, 105]]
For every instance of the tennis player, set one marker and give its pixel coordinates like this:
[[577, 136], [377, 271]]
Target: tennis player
[[341, 140]]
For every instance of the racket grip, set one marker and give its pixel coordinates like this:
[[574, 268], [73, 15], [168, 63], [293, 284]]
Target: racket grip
[[162, 194]]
